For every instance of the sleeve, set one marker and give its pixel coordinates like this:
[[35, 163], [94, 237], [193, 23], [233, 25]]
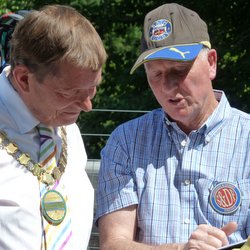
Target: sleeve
[[116, 185]]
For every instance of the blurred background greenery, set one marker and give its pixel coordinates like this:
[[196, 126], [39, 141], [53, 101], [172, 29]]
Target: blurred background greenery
[[119, 23]]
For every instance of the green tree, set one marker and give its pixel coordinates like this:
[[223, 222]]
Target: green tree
[[119, 23]]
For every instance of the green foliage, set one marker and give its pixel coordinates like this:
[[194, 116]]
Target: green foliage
[[119, 23], [14, 5]]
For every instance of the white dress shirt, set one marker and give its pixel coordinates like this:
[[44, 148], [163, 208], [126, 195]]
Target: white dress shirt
[[20, 215]]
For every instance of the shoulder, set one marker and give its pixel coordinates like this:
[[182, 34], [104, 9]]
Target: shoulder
[[140, 128], [239, 122], [241, 117]]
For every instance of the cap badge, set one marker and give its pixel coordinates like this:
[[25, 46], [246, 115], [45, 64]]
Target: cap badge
[[160, 30], [225, 198]]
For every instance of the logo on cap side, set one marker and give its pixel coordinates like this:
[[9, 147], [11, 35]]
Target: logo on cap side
[[160, 30]]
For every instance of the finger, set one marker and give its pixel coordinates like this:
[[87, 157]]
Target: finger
[[207, 235], [200, 245], [229, 228], [211, 235]]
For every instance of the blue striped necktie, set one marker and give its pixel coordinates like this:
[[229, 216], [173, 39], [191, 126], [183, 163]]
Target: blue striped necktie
[[55, 237]]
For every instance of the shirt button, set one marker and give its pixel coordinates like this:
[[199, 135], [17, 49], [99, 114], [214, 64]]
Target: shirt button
[[207, 140], [186, 221], [187, 182], [183, 143]]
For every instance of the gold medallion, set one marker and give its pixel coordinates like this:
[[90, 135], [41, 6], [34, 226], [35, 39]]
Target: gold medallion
[[53, 207]]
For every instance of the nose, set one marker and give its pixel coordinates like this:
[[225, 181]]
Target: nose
[[171, 82], [84, 99], [86, 104]]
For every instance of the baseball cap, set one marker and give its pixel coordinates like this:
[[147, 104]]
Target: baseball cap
[[172, 32]]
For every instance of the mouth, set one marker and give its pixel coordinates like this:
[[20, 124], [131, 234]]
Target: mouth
[[70, 113], [179, 102], [175, 100]]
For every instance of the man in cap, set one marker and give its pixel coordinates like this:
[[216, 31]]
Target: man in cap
[[177, 177]]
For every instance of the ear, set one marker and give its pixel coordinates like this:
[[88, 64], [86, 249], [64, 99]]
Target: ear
[[212, 60], [20, 76]]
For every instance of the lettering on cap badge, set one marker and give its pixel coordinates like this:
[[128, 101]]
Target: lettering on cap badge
[[160, 30], [225, 198]]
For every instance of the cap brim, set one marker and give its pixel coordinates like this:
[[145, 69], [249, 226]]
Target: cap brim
[[176, 53]]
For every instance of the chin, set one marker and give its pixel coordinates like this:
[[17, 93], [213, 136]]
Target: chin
[[67, 122], [58, 123]]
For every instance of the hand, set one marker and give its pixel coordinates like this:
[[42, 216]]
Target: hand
[[206, 237]]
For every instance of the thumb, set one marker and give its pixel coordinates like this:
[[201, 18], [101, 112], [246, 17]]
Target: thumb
[[229, 228]]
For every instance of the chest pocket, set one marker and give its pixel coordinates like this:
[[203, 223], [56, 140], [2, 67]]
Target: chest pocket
[[205, 209]]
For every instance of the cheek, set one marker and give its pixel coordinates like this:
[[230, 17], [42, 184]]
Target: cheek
[[159, 95], [197, 79], [155, 84], [154, 88], [92, 93], [52, 104], [204, 71], [60, 103]]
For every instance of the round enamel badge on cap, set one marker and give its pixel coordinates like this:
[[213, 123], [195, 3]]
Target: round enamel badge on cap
[[160, 30], [225, 198], [53, 207]]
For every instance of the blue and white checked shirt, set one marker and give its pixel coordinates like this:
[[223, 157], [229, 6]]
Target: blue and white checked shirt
[[149, 161]]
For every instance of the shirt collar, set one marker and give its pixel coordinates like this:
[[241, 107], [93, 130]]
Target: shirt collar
[[219, 117], [17, 109]]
